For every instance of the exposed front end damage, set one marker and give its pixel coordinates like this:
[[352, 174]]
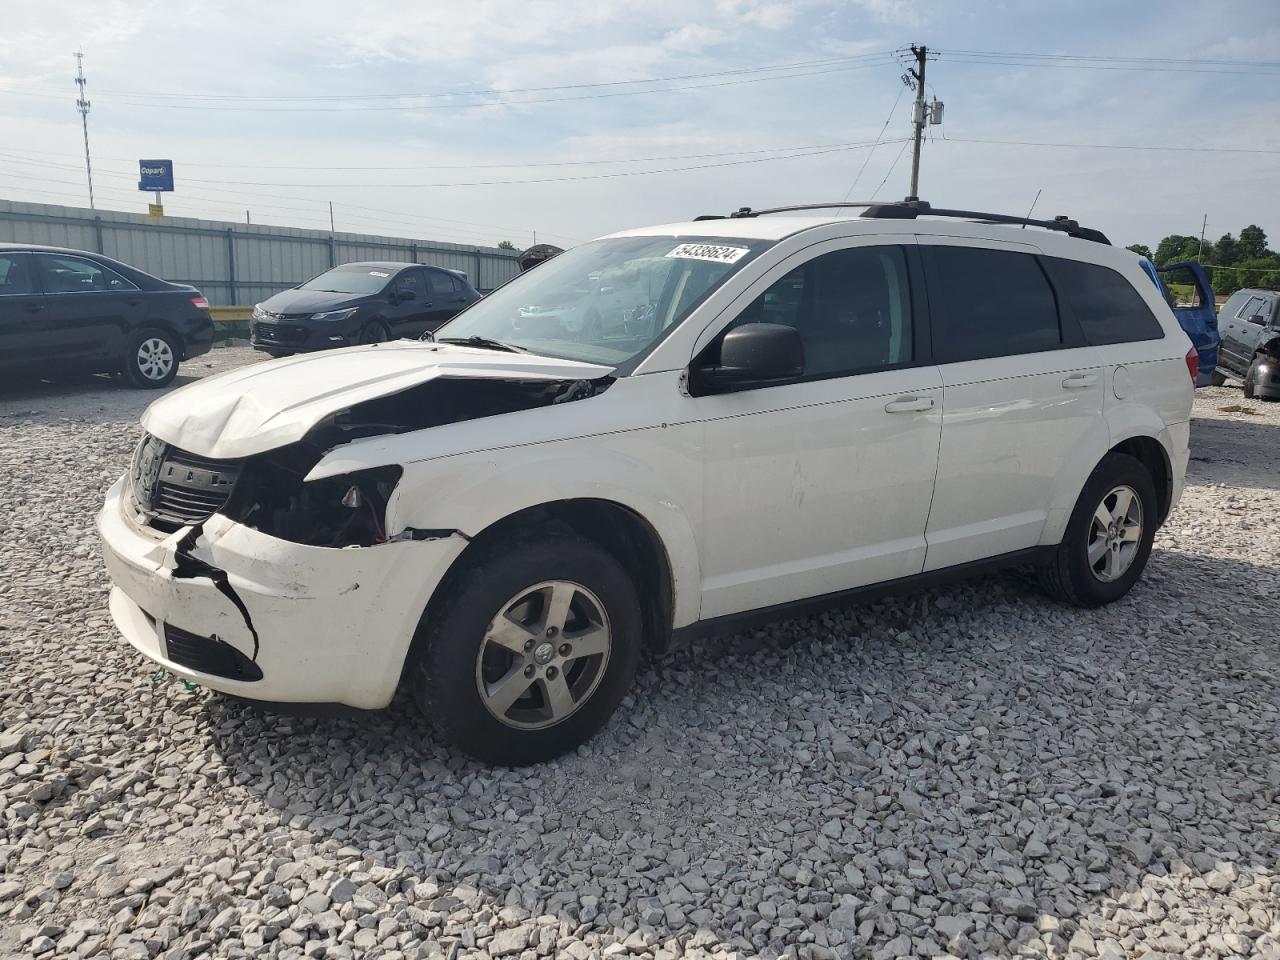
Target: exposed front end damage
[[303, 624], [242, 575]]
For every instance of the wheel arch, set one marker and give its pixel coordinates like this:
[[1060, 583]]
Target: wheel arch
[[1152, 454], [621, 530]]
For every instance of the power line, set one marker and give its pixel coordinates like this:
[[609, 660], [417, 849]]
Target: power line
[[496, 92], [478, 104], [901, 151], [485, 166], [540, 180], [1112, 146], [1033, 60], [1112, 59], [867, 159]]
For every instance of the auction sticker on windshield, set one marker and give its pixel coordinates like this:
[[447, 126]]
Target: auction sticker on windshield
[[708, 251], [378, 273]]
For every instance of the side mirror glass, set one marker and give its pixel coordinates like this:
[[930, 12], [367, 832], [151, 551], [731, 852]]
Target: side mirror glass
[[403, 296], [756, 354], [1259, 319]]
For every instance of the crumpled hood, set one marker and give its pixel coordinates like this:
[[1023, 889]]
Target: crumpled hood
[[267, 405]]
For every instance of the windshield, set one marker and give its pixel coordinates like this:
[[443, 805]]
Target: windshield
[[606, 301], [352, 278]]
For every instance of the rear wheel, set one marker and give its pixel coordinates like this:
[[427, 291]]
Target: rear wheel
[[1217, 378], [531, 651], [152, 359], [1108, 538]]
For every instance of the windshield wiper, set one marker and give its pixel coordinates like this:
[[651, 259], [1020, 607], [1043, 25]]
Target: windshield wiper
[[482, 342]]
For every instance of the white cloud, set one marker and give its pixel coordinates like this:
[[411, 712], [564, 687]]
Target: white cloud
[[692, 38]]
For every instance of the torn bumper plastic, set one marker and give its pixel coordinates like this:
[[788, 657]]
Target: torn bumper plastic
[[322, 625]]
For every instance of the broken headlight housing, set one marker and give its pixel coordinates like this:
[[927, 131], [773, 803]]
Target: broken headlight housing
[[344, 511]]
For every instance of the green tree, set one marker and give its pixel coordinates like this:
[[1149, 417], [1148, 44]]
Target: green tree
[[1175, 247], [1141, 249], [1227, 250], [506, 245], [1253, 242]]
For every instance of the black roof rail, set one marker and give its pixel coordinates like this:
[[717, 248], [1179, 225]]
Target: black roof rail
[[910, 209]]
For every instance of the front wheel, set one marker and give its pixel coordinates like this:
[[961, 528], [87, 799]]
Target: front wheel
[[1108, 538], [531, 651], [152, 360], [374, 332]]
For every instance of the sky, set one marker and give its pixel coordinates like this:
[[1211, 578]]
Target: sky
[[491, 120]]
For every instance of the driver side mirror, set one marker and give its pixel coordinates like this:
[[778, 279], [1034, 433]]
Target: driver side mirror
[[1259, 319], [756, 355], [404, 296]]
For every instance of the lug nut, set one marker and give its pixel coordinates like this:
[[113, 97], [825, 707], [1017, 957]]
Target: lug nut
[[528, 671], [564, 649], [551, 673], [551, 631], [528, 645]]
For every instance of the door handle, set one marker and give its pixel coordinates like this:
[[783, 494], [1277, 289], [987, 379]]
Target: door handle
[[1080, 381], [909, 405]]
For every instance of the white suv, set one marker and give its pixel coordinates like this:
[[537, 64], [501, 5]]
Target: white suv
[[818, 408]]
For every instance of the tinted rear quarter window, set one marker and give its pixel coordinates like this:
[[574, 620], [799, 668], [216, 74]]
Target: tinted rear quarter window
[[1107, 307], [989, 303]]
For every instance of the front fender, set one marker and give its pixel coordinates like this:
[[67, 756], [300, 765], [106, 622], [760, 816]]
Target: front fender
[[654, 473]]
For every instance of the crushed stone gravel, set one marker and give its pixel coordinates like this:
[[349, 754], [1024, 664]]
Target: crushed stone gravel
[[972, 771]]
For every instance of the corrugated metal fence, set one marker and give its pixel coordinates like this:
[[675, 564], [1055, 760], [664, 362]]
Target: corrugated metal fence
[[235, 263]]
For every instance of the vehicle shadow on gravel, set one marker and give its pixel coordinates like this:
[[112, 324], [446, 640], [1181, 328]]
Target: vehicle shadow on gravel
[[972, 768]]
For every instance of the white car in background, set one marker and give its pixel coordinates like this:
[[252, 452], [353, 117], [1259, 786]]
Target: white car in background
[[822, 407]]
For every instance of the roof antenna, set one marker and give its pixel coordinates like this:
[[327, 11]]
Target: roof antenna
[[1029, 209]]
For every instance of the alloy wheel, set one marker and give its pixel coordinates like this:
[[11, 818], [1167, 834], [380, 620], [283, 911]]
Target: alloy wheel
[[155, 358], [1115, 534], [543, 655]]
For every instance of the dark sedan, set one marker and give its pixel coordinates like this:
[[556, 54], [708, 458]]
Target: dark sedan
[[70, 310], [359, 303]]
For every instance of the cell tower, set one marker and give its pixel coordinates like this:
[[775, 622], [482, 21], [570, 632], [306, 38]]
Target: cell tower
[[83, 105]]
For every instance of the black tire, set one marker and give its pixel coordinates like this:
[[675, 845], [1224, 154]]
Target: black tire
[[375, 331], [152, 358], [451, 663], [1069, 576], [1248, 381], [1217, 378]]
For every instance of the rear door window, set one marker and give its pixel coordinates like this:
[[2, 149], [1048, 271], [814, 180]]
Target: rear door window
[[74, 275], [1104, 302], [989, 303], [15, 275], [441, 283]]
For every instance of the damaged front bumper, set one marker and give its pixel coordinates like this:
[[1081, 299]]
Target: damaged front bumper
[[237, 610]]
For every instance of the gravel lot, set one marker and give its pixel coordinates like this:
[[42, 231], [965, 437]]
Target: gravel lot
[[973, 771]]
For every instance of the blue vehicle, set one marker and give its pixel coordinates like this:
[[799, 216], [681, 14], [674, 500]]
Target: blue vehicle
[[1199, 317]]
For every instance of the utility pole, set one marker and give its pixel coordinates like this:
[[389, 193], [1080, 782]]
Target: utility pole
[[331, 216], [246, 217], [1200, 249], [921, 54], [83, 106]]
